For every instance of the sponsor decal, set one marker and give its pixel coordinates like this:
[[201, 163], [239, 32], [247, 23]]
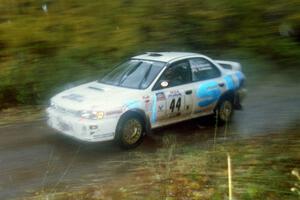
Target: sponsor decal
[[160, 96], [209, 93], [133, 104], [201, 68], [174, 93], [148, 104], [230, 84], [154, 109], [161, 108], [74, 97], [146, 99]]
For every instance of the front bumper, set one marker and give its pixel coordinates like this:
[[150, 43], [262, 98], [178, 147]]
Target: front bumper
[[82, 129]]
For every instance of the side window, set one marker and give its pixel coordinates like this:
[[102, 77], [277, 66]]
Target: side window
[[202, 69], [178, 73]]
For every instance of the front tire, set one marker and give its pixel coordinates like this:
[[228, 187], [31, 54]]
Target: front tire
[[130, 133]]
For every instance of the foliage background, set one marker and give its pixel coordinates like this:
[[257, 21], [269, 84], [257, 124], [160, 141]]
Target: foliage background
[[46, 44]]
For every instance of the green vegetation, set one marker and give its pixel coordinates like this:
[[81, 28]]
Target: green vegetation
[[46, 44]]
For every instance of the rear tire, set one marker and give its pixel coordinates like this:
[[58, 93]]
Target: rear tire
[[224, 110], [130, 132]]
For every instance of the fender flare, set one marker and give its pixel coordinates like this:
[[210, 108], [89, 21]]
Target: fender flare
[[231, 94], [139, 113]]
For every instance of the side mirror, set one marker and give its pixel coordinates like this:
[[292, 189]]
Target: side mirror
[[164, 84]]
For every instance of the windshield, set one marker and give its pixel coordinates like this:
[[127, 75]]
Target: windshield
[[137, 74]]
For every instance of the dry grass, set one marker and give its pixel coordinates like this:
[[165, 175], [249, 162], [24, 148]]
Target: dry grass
[[21, 114], [260, 170]]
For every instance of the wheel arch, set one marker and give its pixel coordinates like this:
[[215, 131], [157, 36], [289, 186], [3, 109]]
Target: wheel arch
[[227, 95], [138, 113]]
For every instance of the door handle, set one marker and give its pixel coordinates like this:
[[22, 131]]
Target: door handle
[[221, 84], [188, 92]]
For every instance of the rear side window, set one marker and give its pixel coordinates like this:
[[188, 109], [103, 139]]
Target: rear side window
[[203, 69]]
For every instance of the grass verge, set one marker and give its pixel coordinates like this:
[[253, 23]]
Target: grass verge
[[21, 114], [261, 169]]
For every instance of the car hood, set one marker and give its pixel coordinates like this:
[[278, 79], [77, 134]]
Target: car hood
[[95, 96]]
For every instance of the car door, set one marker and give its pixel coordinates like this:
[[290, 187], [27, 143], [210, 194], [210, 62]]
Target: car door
[[173, 92], [208, 85]]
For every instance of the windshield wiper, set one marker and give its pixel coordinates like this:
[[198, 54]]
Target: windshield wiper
[[146, 76]]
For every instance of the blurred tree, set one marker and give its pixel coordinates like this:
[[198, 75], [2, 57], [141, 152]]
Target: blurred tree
[[45, 44]]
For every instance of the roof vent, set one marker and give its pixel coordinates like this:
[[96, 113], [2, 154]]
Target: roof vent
[[155, 54]]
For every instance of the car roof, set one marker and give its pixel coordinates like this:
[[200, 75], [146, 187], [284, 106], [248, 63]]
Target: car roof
[[164, 56]]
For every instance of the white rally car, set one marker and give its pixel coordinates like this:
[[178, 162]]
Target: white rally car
[[145, 92]]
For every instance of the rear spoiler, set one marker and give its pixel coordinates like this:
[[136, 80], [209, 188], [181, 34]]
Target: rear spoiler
[[229, 65]]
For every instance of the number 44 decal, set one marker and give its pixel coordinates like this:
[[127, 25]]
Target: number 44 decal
[[178, 104]]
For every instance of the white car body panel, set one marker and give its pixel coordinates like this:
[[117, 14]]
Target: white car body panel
[[229, 65], [64, 112]]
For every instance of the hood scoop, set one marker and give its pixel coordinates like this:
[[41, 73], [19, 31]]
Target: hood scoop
[[73, 97], [96, 88]]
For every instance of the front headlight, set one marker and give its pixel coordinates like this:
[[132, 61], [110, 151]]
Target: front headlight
[[96, 115]]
